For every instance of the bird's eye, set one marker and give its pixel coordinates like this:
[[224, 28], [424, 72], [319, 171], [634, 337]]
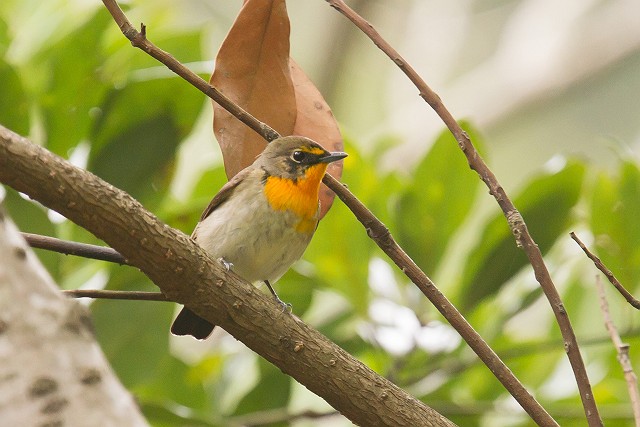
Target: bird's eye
[[298, 156]]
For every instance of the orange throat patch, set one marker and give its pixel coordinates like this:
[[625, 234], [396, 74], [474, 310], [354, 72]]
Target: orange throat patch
[[300, 197]]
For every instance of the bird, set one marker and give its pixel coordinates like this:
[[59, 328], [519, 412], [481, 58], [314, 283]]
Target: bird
[[262, 220]]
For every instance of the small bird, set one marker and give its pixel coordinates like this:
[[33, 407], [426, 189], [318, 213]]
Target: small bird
[[262, 220]]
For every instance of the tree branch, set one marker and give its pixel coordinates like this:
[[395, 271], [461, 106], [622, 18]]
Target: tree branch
[[185, 273], [513, 216], [74, 248], [623, 353], [608, 273], [120, 295], [375, 228], [139, 40]]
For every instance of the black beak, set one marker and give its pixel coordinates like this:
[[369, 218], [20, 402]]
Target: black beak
[[333, 157]]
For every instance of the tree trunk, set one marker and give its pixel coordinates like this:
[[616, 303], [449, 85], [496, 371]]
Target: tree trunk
[[52, 371]]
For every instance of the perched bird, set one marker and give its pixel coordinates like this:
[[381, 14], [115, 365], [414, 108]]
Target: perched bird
[[262, 220]]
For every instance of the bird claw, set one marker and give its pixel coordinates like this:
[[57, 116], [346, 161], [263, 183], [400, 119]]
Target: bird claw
[[285, 305], [226, 264]]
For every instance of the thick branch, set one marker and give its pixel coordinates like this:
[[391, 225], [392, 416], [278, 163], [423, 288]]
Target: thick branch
[[516, 223], [381, 236], [186, 274], [608, 273]]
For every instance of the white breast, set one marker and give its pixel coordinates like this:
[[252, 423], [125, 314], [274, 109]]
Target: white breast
[[259, 242]]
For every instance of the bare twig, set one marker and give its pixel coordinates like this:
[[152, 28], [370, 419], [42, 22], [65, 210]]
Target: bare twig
[[120, 295], [383, 238], [608, 273], [67, 247], [187, 274], [139, 39], [515, 220], [378, 232], [623, 353]]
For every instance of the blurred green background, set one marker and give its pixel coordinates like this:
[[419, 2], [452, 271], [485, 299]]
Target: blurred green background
[[550, 93]]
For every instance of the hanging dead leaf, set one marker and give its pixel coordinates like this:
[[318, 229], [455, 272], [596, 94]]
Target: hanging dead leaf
[[315, 120], [252, 68]]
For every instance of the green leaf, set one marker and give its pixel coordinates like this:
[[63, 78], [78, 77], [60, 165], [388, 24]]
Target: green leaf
[[184, 215], [135, 141], [545, 205], [272, 392], [436, 202], [138, 158], [133, 334], [365, 179], [5, 39], [615, 209], [173, 383], [67, 81], [160, 415], [340, 237], [14, 112]]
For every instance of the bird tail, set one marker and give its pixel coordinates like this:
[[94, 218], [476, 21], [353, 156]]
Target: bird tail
[[189, 323]]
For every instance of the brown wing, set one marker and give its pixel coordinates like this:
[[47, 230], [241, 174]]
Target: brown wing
[[224, 193]]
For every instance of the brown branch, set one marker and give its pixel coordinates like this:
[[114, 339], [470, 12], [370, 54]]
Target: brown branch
[[120, 295], [623, 353], [139, 40], [608, 273], [380, 235], [101, 253], [383, 238], [515, 220], [185, 273], [74, 248]]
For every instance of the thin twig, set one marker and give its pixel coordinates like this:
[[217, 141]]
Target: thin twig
[[455, 366], [377, 231], [139, 40], [187, 274], [608, 273], [120, 295], [513, 216], [67, 247], [623, 353], [383, 238]]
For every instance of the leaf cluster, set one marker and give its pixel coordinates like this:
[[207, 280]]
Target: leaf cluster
[[88, 97]]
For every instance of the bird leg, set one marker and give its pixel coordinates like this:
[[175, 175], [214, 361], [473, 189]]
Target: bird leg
[[285, 305], [226, 264]]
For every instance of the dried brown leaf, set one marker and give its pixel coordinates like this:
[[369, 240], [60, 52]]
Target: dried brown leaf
[[252, 68]]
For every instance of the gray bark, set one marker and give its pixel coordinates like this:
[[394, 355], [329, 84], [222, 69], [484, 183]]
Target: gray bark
[[52, 371]]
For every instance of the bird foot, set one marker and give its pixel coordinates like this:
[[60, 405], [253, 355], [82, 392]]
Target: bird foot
[[226, 264], [285, 306]]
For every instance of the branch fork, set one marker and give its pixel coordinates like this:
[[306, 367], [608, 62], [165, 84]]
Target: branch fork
[[375, 229]]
